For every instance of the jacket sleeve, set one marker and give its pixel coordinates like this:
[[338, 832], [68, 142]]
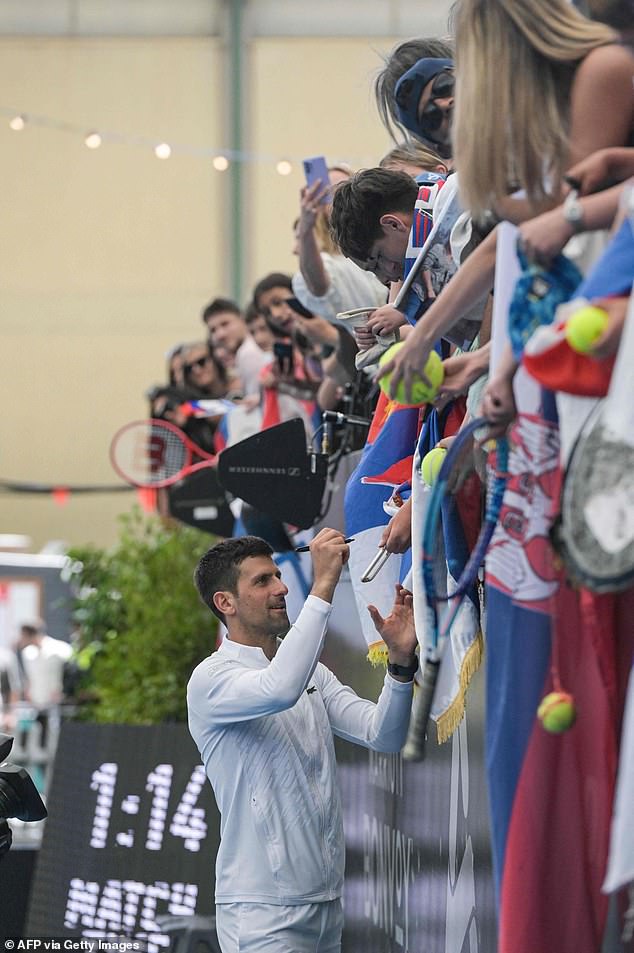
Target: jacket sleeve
[[381, 726], [222, 694]]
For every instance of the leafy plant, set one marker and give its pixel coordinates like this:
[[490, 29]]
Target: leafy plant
[[142, 628]]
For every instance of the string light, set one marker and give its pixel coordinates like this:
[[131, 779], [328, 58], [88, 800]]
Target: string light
[[220, 163], [221, 159], [93, 140]]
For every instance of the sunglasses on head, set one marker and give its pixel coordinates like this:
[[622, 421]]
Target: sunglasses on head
[[430, 118], [199, 362]]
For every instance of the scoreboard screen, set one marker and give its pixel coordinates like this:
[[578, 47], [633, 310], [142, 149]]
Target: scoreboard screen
[[132, 834]]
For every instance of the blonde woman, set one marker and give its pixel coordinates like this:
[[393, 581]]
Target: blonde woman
[[538, 88], [414, 158]]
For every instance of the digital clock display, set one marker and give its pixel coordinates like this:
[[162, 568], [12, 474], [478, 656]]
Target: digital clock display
[[132, 834]]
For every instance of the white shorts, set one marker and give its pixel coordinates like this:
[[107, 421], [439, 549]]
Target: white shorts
[[269, 928]]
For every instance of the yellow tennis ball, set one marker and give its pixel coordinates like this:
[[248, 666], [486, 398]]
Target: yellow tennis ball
[[585, 326], [431, 464], [421, 393], [557, 712]]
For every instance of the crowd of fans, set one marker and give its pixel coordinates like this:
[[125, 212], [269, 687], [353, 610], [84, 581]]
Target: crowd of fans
[[527, 118], [285, 354]]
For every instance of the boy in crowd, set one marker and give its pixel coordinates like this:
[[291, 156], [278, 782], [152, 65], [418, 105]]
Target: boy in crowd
[[228, 332], [380, 219]]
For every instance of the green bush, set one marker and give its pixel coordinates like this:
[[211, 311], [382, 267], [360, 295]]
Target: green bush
[[142, 628]]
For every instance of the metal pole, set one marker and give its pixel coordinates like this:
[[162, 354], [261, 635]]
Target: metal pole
[[236, 144]]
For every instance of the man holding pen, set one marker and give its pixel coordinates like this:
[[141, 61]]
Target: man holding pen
[[263, 711]]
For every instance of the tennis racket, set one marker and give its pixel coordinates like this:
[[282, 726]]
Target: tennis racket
[[454, 526], [596, 534], [156, 453]]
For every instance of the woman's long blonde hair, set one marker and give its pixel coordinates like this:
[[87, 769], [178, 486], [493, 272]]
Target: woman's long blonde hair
[[515, 64]]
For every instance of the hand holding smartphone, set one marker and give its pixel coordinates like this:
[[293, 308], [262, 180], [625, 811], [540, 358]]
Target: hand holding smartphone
[[284, 357], [316, 171]]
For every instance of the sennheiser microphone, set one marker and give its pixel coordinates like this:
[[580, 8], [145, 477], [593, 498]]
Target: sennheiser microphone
[[340, 420]]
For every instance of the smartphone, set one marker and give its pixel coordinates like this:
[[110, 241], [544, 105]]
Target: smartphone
[[316, 170], [284, 357], [296, 306]]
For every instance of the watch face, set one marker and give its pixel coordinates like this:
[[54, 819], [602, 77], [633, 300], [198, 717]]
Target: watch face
[[573, 212]]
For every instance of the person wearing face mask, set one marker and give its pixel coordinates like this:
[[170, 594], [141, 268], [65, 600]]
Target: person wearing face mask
[[424, 97]]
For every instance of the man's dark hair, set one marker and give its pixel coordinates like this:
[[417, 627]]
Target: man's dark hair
[[273, 280], [359, 203], [219, 568], [397, 63], [32, 629], [251, 313], [219, 305]]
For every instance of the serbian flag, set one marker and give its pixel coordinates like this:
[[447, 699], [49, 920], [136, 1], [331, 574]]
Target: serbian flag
[[550, 795], [386, 463]]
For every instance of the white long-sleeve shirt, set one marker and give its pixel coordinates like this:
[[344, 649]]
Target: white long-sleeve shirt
[[349, 287], [265, 733]]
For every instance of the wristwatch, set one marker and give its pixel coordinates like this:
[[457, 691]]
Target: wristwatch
[[403, 671], [573, 212]]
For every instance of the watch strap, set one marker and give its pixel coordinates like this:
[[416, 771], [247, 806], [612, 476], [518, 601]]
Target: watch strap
[[403, 671], [573, 212]]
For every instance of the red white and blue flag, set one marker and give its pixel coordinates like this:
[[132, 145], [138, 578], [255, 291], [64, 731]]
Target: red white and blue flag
[[385, 464]]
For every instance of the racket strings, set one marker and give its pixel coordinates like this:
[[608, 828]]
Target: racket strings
[[598, 501], [454, 527], [148, 454], [461, 526], [172, 455]]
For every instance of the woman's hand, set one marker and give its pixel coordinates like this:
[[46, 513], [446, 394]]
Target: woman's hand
[[608, 343], [542, 238], [397, 535], [601, 168], [461, 371], [498, 404], [310, 205]]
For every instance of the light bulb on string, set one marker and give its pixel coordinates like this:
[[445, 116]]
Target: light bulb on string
[[163, 150], [93, 140], [220, 163], [17, 123], [284, 167]]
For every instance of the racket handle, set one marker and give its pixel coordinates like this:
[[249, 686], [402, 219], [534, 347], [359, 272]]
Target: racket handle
[[414, 748]]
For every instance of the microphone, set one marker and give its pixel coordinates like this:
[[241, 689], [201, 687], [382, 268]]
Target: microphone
[[340, 420]]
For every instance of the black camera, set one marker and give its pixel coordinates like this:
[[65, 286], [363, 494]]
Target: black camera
[[18, 795]]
